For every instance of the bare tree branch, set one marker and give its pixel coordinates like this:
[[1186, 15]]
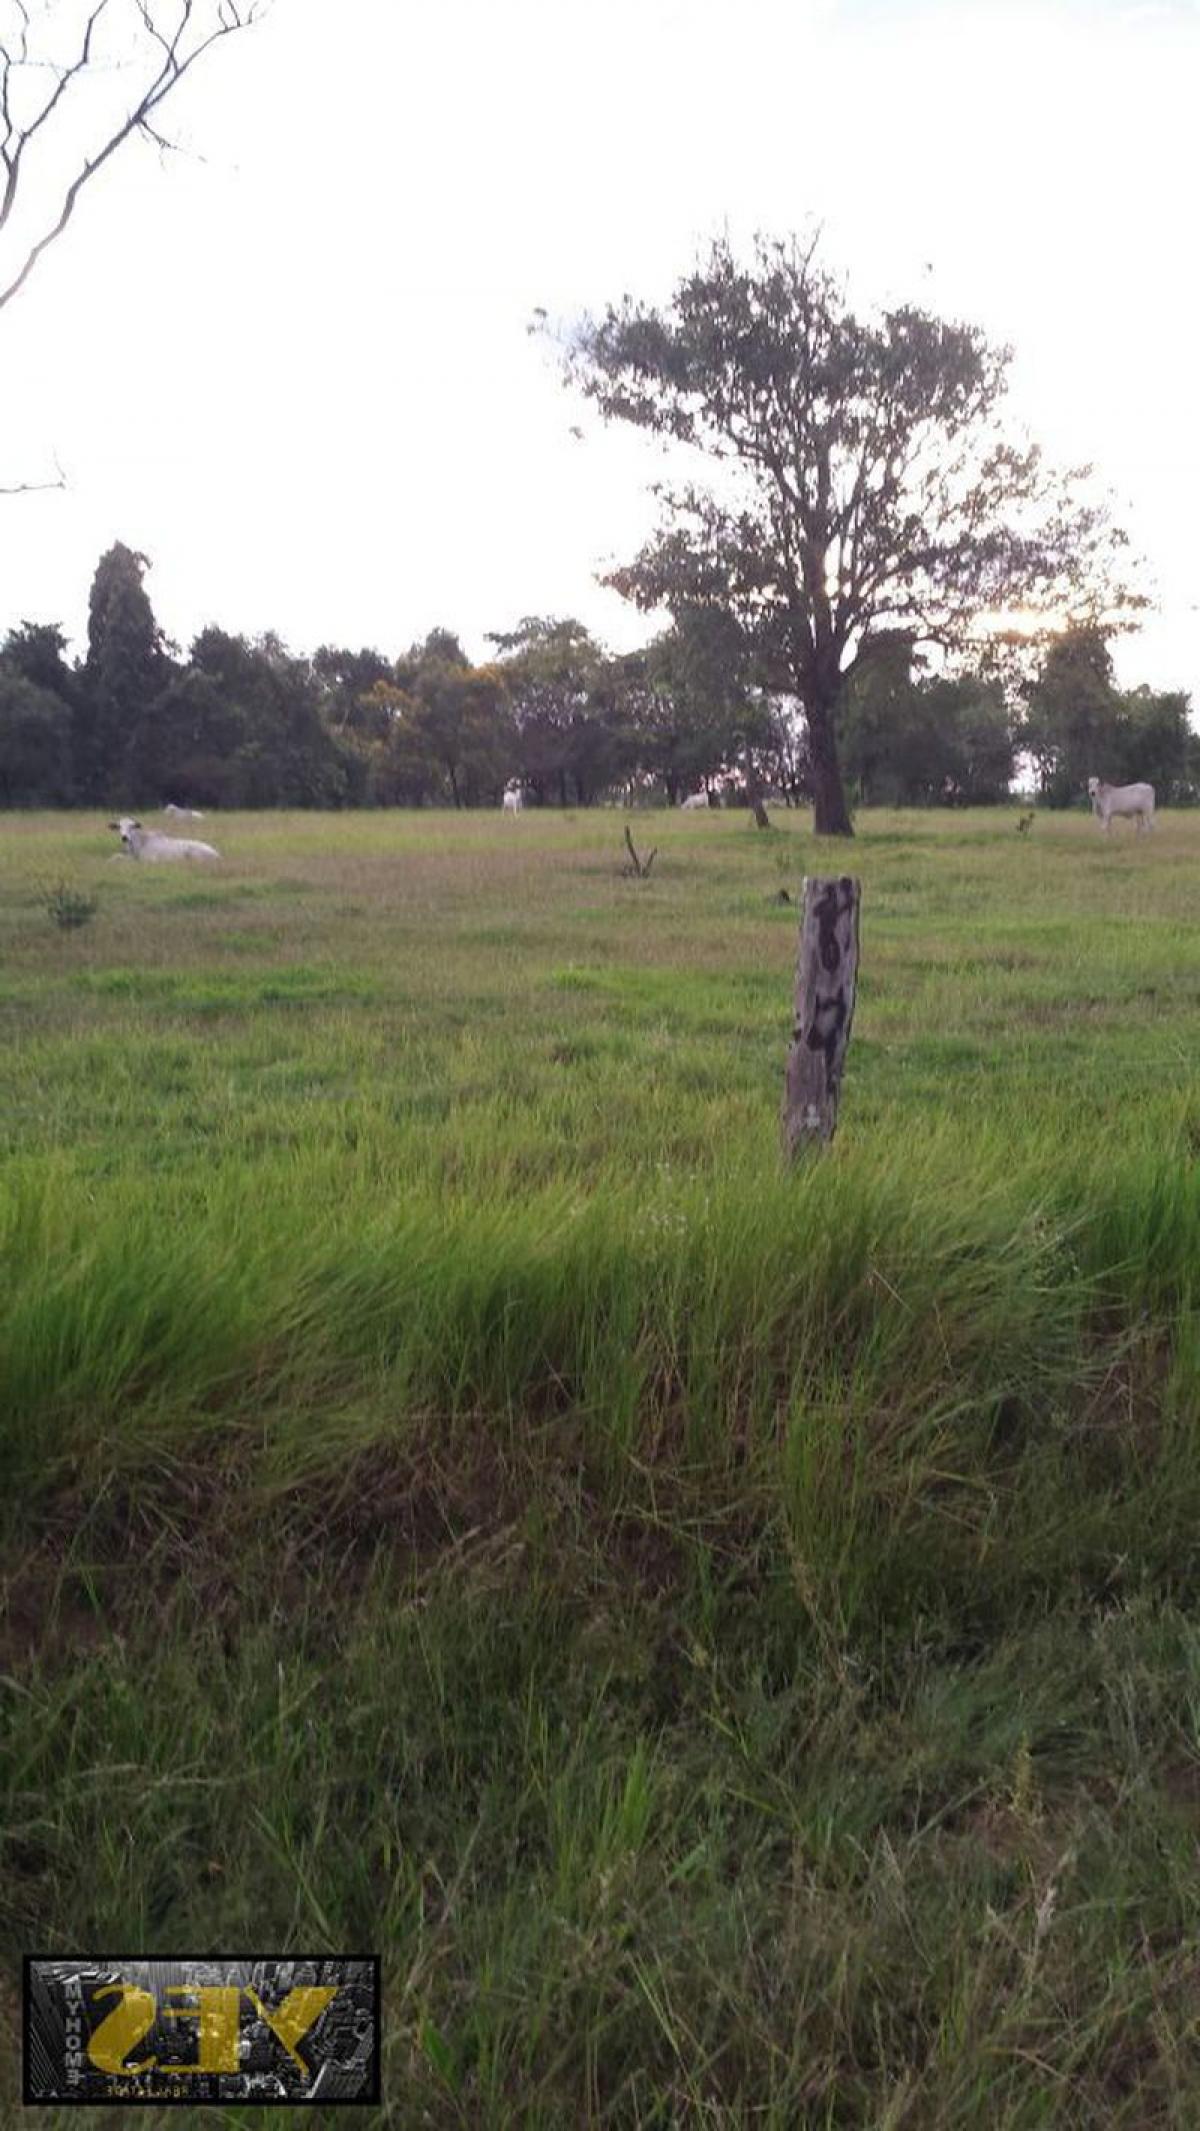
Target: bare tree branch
[[24, 134], [181, 35], [640, 867], [34, 488]]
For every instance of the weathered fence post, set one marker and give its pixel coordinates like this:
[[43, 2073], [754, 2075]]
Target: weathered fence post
[[826, 969]]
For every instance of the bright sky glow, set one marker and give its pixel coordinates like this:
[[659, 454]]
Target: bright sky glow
[[296, 373]]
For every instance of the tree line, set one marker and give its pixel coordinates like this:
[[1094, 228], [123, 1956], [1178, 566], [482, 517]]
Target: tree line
[[243, 722], [860, 519], [857, 495]]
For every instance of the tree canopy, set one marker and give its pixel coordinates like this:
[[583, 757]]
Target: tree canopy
[[862, 484]]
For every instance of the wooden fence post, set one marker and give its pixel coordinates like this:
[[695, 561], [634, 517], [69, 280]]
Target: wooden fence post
[[826, 969]]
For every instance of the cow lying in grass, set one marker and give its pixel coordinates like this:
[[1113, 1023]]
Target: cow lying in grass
[[138, 842], [175, 813], [1110, 799]]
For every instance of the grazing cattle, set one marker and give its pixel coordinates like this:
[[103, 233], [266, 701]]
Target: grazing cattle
[[182, 813], [697, 799], [142, 843], [514, 799], [1110, 799]]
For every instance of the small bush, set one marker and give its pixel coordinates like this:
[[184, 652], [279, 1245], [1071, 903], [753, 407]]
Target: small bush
[[69, 907]]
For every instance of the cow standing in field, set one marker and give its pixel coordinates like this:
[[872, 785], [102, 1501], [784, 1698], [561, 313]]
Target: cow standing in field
[[147, 844], [1134, 799], [513, 800]]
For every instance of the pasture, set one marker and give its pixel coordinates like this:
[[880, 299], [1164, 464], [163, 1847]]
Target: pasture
[[729, 1640]]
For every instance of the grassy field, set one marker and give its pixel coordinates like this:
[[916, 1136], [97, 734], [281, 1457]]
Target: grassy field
[[731, 1641]]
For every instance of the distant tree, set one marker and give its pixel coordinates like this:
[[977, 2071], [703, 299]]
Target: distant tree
[[287, 756], [364, 720], [983, 733], [440, 648], [460, 723], [601, 750], [876, 706], [919, 740], [407, 773], [187, 746], [867, 485], [553, 673], [786, 762], [35, 744], [125, 644], [1072, 720], [38, 652], [702, 700], [955, 747], [1154, 739], [452, 739], [347, 680], [667, 740], [755, 760], [126, 668]]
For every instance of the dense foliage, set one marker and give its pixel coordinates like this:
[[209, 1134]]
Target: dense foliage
[[249, 723]]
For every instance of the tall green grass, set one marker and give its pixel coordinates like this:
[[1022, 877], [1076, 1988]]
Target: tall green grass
[[727, 1637]]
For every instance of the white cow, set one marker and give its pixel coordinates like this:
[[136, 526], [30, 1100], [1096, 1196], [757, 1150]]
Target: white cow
[[1110, 799], [697, 799], [138, 842], [182, 813], [514, 799]]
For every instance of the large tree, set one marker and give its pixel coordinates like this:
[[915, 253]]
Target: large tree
[[864, 483]]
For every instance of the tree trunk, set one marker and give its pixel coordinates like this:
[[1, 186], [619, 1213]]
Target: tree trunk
[[754, 790], [831, 815], [826, 970]]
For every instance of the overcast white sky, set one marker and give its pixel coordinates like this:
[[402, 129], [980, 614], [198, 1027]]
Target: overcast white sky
[[297, 375]]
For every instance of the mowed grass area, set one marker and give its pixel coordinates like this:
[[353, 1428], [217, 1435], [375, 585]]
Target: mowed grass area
[[730, 1640]]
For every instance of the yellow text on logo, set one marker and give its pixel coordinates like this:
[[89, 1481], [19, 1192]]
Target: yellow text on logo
[[217, 2008]]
